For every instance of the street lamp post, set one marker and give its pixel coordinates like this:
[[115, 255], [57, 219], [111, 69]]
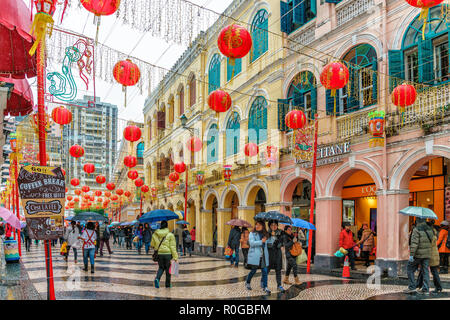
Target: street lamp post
[[184, 120]]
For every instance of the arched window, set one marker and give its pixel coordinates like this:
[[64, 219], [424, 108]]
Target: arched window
[[161, 118], [257, 123], [212, 144], [422, 60], [361, 90], [171, 109], [192, 89], [232, 138], [302, 93], [260, 37], [214, 73], [140, 153], [233, 70]]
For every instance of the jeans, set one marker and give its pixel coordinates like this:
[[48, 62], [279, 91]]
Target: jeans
[[103, 241], [263, 278], [139, 245], [291, 264], [245, 254], [121, 240], [75, 253], [164, 266], [277, 275], [187, 247], [129, 245], [412, 267], [115, 239], [88, 253], [436, 278], [147, 247], [235, 258], [351, 257], [443, 261]]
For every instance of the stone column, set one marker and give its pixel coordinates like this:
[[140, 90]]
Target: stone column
[[207, 231], [392, 232], [328, 225], [223, 230]]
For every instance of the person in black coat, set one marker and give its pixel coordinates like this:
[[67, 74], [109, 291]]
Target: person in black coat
[[234, 239], [274, 244], [291, 262]]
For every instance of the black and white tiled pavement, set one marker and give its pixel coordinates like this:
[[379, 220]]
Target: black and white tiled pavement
[[127, 275]]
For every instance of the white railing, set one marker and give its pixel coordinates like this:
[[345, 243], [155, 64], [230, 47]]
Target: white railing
[[303, 38], [352, 9]]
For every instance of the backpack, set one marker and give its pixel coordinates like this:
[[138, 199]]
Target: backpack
[[188, 238], [106, 234]]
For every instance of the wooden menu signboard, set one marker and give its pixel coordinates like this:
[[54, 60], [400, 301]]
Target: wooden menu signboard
[[42, 192]]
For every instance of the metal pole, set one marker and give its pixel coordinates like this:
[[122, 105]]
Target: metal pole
[[186, 193], [313, 194], [17, 207], [140, 210], [40, 61]]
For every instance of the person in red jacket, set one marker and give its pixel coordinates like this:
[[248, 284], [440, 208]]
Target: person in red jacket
[[193, 237], [346, 241]]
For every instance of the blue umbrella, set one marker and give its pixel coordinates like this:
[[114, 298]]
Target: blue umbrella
[[155, 225], [159, 215], [419, 212], [68, 218], [300, 223], [182, 222]]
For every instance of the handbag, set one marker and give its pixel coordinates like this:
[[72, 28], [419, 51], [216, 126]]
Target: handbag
[[302, 258], [155, 256], [296, 249], [174, 268]]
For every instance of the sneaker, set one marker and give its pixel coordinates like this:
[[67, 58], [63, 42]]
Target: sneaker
[[92, 270], [425, 293], [247, 286], [157, 283], [409, 291], [267, 291], [281, 289]]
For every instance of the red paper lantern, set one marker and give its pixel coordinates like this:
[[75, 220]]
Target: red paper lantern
[[89, 168], [234, 42], [127, 194], [126, 73], [180, 167], [98, 193], [101, 7], [295, 119], [139, 182], [133, 174], [107, 194], [194, 144], [76, 199], [77, 191], [69, 198], [132, 133], [404, 95], [63, 172], [76, 151], [219, 101], [334, 76], [91, 198], [99, 200], [75, 182], [251, 149], [130, 161], [110, 186], [85, 189], [119, 192], [145, 189], [174, 176], [67, 189], [100, 179], [61, 116], [114, 197]]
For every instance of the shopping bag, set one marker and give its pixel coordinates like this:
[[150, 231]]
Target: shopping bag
[[63, 248], [174, 268], [302, 258], [228, 252]]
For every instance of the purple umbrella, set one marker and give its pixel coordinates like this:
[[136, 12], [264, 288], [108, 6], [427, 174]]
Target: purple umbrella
[[239, 223], [10, 218]]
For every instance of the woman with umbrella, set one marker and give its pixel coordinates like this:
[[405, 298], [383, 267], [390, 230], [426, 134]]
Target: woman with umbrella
[[291, 262], [89, 238], [274, 244]]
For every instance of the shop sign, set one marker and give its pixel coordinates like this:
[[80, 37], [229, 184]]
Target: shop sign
[[328, 154], [42, 193]]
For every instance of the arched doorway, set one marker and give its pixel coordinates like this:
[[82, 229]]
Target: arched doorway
[[209, 223], [229, 211], [260, 201]]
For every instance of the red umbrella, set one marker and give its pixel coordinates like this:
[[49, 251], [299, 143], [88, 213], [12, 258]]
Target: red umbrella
[[20, 102], [15, 41]]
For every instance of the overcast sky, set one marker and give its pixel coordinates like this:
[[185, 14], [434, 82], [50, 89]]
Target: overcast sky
[[124, 39]]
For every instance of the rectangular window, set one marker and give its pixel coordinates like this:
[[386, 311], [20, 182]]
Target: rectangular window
[[365, 85], [412, 65], [307, 103], [441, 59], [192, 92], [181, 101]]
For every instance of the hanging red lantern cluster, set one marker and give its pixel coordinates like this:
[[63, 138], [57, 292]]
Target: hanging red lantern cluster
[[130, 161], [76, 151], [74, 182], [76, 199], [110, 186], [69, 198], [89, 168], [127, 194], [114, 197], [180, 167], [98, 193], [234, 42], [133, 174], [139, 182], [174, 176], [78, 191], [127, 74], [61, 116], [404, 95], [219, 101], [194, 144], [107, 194], [295, 119], [251, 149]]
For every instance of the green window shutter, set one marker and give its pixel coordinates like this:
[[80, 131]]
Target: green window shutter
[[352, 96], [263, 128], [283, 109], [299, 12], [329, 102], [426, 74], [374, 81], [286, 17], [396, 68], [230, 141], [298, 100], [314, 7], [313, 101], [233, 71]]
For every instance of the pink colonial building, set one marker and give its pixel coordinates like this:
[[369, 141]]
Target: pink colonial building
[[356, 182]]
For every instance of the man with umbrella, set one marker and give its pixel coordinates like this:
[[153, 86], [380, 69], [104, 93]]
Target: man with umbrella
[[234, 239]]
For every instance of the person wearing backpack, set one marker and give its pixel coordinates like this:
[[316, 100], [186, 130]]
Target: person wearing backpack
[[104, 237], [274, 244], [291, 261], [443, 243], [163, 241], [233, 242], [147, 237], [187, 241], [89, 238]]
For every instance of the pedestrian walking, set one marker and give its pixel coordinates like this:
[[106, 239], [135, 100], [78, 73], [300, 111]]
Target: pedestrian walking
[[178, 232], [27, 238], [193, 239], [346, 241], [291, 261], [105, 235], [274, 244], [121, 236], [89, 238], [367, 241], [443, 244], [114, 235], [234, 239], [129, 238], [97, 232], [187, 241], [244, 244], [164, 244], [258, 255], [147, 237], [420, 255], [72, 235], [138, 236]]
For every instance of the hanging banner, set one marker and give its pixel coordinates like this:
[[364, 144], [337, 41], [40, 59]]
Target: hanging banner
[[42, 193]]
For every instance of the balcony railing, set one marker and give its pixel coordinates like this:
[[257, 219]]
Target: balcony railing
[[352, 9], [352, 124]]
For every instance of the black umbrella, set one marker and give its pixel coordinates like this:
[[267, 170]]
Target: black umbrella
[[273, 215], [89, 216]]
